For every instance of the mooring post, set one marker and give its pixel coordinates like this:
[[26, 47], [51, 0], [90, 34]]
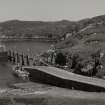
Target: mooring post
[[13, 57], [9, 56], [17, 58], [27, 60], [33, 59], [22, 58]]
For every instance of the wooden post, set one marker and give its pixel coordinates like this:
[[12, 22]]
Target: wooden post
[[13, 57], [9, 56], [22, 58], [17, 58], [27, 60]]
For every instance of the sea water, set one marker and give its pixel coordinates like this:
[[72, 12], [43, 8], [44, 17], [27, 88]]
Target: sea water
[[28, 47]]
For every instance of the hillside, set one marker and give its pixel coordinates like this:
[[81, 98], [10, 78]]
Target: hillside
[[33, 29], [55, 30], [84, 34], [91, 37]]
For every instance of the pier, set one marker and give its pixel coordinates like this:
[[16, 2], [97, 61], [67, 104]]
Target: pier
[[20, 58], [56, 76], [61, 78]]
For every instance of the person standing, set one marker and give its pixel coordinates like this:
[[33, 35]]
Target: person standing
[[101, 67], [51, 53]]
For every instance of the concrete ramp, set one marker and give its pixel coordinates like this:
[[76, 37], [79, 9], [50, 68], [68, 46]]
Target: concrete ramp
[[62, 78]]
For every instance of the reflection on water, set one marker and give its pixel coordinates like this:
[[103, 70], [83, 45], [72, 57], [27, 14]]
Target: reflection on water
[[6, 76]]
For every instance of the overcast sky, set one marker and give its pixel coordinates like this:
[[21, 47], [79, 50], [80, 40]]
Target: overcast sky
[[50, 10]]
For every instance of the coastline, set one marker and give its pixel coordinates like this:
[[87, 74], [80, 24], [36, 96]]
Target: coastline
[[49, 95], [41, 94], [27, 39]]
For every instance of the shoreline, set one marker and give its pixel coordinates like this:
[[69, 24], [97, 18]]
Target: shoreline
[[27, 39], [50, 96]]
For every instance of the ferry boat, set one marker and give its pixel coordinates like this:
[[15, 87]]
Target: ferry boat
[[3, 54]]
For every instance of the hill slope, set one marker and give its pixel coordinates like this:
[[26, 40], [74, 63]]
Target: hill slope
[[89, 38], [87, 33], [32, 29]]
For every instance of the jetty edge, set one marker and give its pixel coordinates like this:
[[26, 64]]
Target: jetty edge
[[58, 77]]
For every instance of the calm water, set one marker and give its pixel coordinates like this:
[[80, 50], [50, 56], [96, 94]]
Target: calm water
[[28, 46], [6, 76]]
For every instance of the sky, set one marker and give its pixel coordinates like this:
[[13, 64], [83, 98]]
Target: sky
[[50, 10]]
